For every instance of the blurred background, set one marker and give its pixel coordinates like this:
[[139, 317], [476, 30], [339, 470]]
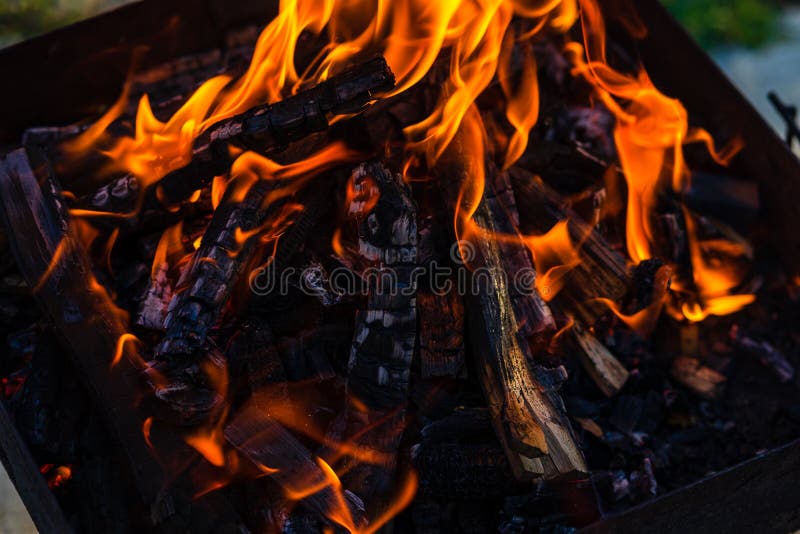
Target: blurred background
[[756, 42]]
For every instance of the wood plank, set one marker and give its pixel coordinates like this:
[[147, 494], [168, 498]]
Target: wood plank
[[31, 485], [34, 215]]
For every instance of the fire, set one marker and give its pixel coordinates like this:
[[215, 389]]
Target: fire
[[169, 245], [650, 132], [476, 40], [554, 255]]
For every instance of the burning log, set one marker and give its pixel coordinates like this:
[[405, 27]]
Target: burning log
[[202, 290], [532, 312], [52, 261], [216, 266], [277, 453], [602, 272], [604, 368], [383, 343], [441, 315], [262, 129], [527, 414]]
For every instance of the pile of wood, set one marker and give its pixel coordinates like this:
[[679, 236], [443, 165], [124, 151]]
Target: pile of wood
[[187, 400]]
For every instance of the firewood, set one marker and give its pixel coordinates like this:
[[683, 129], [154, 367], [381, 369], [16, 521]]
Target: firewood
[[54, 262], [277, 453], [461, 470], [153, 308], [51, 259], [262, 129], [383, 342], [701, 380], [201, 292], [533, 314], [604, 368], [441, 314], [602, 272], [441, 335], [459, 456], [528, 417]]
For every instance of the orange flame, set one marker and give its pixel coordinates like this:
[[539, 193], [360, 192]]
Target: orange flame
[[169, 245], [650, 132], [118, 353], [555, 255]]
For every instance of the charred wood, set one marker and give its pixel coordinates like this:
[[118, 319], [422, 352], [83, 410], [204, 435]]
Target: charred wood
[[50, 257], [262, 129], [441, 335], [533, 314], [277, 453], [460, 457], [441, 313], [602, 272], [383, 342]]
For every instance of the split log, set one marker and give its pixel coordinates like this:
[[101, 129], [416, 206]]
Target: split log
[[441, 314], [278, 454], [602, 272], [533, 314], [383, 342], [528, 415], [701, 380], [604, 368], [52, 260], [262, 129], [205, 287]]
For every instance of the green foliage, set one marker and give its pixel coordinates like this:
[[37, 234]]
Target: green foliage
[[750, 23], [20, 19]]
